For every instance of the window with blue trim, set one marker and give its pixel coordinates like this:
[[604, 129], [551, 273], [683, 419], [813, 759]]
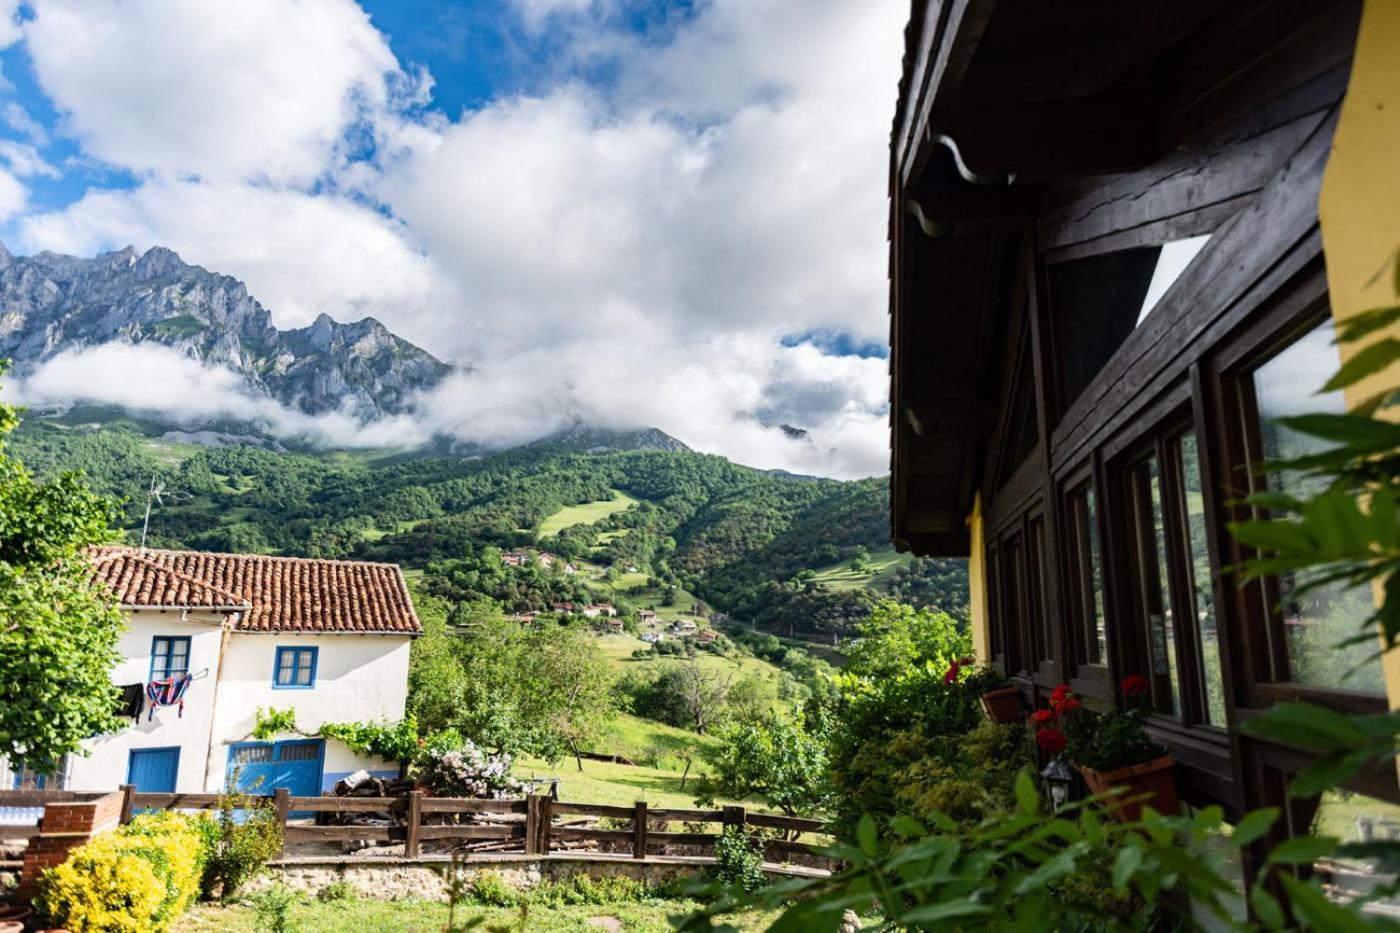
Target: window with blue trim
[[295, 668], [170, 656]]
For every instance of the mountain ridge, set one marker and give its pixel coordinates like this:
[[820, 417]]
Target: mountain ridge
[[51, 303]]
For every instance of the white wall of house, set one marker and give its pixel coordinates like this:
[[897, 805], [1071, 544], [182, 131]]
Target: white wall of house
[[106, 765], [359, 678]]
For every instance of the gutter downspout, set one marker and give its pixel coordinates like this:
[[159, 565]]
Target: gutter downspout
[[227, 627]]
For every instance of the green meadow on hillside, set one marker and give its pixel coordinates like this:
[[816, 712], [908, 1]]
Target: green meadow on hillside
[[588, 513], [876, 575]]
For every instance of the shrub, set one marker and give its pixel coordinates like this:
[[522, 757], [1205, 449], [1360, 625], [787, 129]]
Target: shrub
[[490, 889], [467, 772], [335, 892], [136, 878], [737, 864], [272, 909], [241, 847]]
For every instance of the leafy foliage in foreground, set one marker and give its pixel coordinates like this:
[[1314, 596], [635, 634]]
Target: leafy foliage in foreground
[[51, 619]]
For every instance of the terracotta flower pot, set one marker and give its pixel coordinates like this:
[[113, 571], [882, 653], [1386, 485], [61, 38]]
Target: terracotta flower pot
[[1002, 706], [1150, 783], [11, 913], [11, 926]]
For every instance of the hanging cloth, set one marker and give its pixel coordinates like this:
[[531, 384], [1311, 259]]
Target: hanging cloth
[[169, 691], [133, 698]]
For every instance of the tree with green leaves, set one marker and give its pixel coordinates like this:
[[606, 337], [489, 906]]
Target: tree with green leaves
[[58, 632], [775, 758], [896, 638]]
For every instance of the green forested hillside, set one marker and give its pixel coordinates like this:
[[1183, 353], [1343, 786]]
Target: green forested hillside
[[642, 527]]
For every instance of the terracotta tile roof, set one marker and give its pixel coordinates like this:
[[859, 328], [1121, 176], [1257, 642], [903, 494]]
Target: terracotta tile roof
[[274, 594]]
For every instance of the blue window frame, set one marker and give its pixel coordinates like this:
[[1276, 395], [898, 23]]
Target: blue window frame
[[170, 656], [295, 669]]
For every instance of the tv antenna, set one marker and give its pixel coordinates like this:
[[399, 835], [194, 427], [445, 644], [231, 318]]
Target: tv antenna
[[156, 494]]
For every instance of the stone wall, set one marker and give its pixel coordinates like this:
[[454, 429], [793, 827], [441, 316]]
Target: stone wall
[[396, 879]]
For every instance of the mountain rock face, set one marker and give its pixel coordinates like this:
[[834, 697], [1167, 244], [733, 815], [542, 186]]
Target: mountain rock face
[[603, 440], [50, 303]]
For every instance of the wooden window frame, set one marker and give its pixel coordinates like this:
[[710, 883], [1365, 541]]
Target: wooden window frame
[[1263, 664], [1087, 675]]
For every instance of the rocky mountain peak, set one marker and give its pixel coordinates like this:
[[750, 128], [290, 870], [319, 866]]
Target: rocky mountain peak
[[50, 303]]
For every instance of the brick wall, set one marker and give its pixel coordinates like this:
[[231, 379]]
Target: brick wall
[[64, 827]]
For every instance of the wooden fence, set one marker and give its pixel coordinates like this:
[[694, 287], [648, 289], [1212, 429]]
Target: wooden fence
[[535, 825]]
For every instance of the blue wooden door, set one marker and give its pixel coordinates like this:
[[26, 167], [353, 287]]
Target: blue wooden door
[[262, 767], [153, 770]]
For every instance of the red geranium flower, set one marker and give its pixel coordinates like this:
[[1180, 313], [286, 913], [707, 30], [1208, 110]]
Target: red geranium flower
[[1070, 704], [952, 676], [1135, 685], [1043, 717], [1051, 741]]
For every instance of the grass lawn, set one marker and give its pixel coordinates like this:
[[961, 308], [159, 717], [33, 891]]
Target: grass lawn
[[587, 514], [419, 916], [618, 649], [884, 564]]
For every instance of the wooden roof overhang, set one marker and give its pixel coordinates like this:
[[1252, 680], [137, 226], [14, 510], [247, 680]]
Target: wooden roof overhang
[[997, 98]]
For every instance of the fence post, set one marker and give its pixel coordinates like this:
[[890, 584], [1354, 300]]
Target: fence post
[[128, 802], [639, 830], [532, 824], [733, 816], [282, 805], [415, 823], [546, 822]]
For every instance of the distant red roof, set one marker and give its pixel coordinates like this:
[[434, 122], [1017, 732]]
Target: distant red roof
[[273, 594]]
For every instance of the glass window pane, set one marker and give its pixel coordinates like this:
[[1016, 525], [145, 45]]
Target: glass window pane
[[1097, 627], [1151, 581], [301, 751], [1316, 623], [1356, 818], [1202, 584], [250, 754]]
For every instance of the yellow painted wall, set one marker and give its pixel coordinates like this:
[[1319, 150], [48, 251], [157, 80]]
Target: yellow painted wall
[[977, 583], [1359, 207]]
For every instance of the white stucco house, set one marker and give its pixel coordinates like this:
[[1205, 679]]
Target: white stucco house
[[329, 639]]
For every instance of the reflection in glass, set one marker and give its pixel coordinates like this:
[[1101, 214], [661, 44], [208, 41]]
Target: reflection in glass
[[1202, 589], [1100, 631], [1172, 260], [1353, 817], [1315, 623], [1160, 622]]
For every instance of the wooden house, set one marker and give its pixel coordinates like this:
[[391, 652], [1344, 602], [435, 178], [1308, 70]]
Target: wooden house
[[1120, 234]]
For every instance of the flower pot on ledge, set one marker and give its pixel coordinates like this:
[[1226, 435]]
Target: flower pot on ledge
[[1149, 783], [1002, 706]]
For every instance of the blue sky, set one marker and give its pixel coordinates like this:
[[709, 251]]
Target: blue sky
[[572, 197]]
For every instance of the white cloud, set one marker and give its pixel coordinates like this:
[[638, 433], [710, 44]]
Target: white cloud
[[10, 31], [629, 254], [13, 196], [156, 379], [253, 89], [24, 160]]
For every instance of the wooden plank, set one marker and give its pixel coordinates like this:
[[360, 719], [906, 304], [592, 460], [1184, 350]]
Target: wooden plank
[[1228, 268], [16, 833], [178, 801], [599, 835], [682, 839], [35, 798], [477, 831], [590, 809], [782, 846], [674, 815], [350, 804], [471, 805], [639, 830], [128, 802], [295, 833], [415, 824], [794, 823]]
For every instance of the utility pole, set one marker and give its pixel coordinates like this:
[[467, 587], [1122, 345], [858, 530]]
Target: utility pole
[[154, 495]]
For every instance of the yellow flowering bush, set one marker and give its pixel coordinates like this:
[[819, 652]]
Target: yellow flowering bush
[[136, 878]]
